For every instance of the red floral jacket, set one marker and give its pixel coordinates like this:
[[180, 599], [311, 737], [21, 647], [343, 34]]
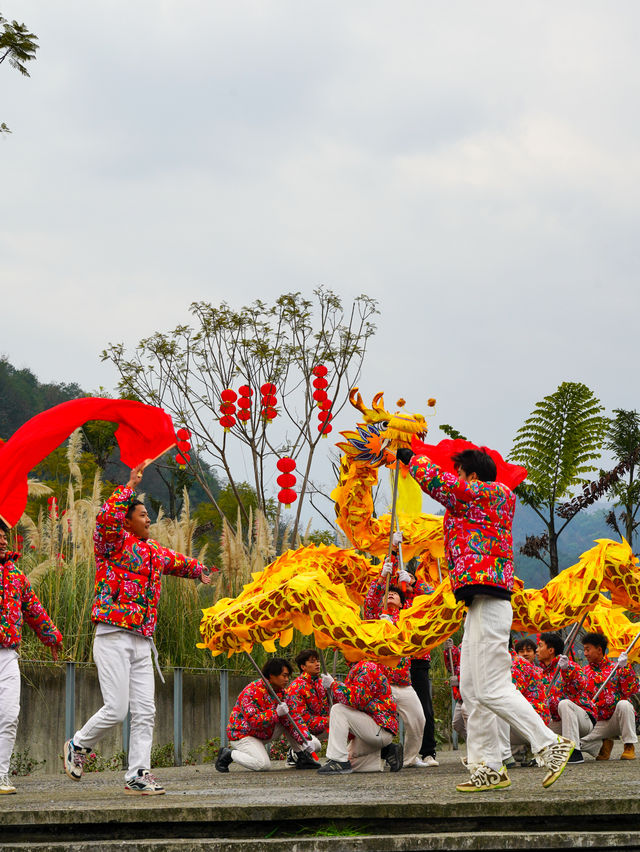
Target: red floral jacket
[[18, 602], [367, 689], [373, 607], [129, 570], [307, 700], [254, 715], [571, 684], [622, 685], [455, 657], [477, 526], [528, 680]]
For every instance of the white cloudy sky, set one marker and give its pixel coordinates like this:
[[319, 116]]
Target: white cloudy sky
[[474, 166]]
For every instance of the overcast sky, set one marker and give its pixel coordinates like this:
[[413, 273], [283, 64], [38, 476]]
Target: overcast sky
[[473, 166]]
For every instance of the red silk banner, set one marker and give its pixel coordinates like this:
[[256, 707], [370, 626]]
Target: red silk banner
[[145, 432], [442, 453]]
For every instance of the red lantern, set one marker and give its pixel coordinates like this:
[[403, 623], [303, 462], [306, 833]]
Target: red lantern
[[182, 460], [227, 422], [244, 402], [320, 370], [320, 396], [269, 401], [326, 405], [244, 415], [287, 496], [286, 464], [228, 408], [320, 384], [286, 480], [245, 390], [325, 416], [325, 428], [228, 395], [269, 414], [183, 434], [267, 388]]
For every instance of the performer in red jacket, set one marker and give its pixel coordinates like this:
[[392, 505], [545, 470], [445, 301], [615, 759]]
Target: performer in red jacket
[[18, 603], [307, 698], [257, 719], [129, 569], [478, 546]]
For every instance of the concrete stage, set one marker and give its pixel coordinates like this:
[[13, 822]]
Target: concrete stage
[[594, 805]]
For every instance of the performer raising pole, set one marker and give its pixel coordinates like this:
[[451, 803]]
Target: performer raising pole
[[478, 545]]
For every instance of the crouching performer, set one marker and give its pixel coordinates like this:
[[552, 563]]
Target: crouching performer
[[364, 708], [17, 603], [257, 719], [129, 569], [307, 698]]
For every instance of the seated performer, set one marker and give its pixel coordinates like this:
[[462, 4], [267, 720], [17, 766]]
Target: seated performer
[[409, 706], [364, 707], [452, 655], [615, 713], [129, 570], [530, 684], [257, 719], [526, 648], [17, 602], [419, 670], [307, 698], [573, 714], [478, 545]]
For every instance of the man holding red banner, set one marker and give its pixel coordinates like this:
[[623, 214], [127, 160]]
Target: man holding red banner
[[478, 546], [129, 569]]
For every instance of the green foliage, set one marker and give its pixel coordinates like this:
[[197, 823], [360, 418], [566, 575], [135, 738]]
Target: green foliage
[[452, 433], [321, 537], [95, 762], [623, 440], [558, 444], [17, 46], [22, 763]]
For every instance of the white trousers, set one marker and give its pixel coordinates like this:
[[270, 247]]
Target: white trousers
[[251, 752], [622, 724], [459, 722], [574, 722], [125, 672], [9, 705], [369, 739], [485, 682], [411, 712]]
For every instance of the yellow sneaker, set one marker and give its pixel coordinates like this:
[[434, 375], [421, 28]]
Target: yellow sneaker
[[555, 757], [6, 788], [484, 778]]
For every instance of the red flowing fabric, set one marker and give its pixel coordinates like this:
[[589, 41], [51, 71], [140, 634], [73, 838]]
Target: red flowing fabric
[[441, 454], [145, 432]]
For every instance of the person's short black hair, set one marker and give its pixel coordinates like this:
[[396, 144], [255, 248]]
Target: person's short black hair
[[598, 640], [553, 640], [521, 644], [306, 655], [399, 592], [275, 666], [4, 527], [478, 462], [132, 506]]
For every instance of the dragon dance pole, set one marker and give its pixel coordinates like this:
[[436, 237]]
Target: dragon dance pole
[[391, 525], [324, 671], [568, 645], [614, 669], [275, 697]]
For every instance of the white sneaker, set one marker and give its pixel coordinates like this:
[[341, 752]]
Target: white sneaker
[[6, 788], [429, 760], [143, 784]]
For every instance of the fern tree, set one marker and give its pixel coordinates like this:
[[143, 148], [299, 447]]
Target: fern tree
[[623, 440], [558, 444], [17, 46]]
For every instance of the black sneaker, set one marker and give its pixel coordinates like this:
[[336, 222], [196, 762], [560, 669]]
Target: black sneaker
[[576, 756], [336, 767], [292, 757], [224, 759], [393, 754], [305, 761]]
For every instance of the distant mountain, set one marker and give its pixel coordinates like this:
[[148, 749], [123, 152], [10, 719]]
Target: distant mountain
[[578, 537]]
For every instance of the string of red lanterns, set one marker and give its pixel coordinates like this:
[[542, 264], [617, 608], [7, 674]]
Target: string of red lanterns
[[228, 408], [269, 401], [321, 396], [244, 402], [183, 457], [286, 480]]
